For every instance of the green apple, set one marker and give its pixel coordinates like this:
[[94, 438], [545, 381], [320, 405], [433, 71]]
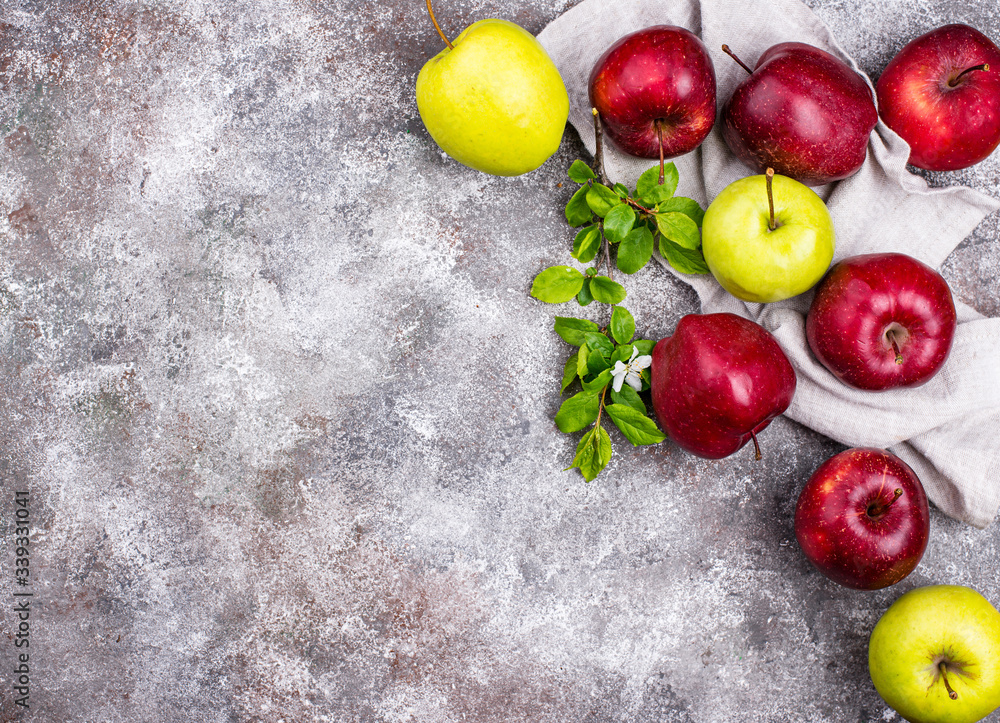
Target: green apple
[[934, 656], [494, 101], [762, 255]]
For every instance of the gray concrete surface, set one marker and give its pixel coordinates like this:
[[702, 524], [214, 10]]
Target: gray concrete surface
[[272, 378]]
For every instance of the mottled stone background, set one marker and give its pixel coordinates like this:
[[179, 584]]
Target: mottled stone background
[[271, 374]]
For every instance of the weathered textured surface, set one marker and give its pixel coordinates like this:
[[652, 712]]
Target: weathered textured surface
[[273, 379]]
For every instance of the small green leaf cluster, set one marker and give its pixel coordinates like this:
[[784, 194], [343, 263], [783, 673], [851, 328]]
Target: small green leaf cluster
[[634, 223], [599, 352]]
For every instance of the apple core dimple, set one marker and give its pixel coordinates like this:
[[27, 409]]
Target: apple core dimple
[[942, 665], [876, 509], [897, 336]]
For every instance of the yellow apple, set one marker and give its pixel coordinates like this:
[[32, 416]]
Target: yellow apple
[[760, 255], [494, 101], [934, 656]]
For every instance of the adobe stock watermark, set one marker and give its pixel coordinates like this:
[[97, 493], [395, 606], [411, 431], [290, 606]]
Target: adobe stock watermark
[[22, 597]]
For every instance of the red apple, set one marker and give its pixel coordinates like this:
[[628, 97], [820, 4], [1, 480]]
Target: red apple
[[717, 382], [941, 94], [655, 88], [862, 519], [801, 111], [880, 321]]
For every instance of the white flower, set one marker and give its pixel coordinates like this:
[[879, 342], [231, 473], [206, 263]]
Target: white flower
[[630, 372]]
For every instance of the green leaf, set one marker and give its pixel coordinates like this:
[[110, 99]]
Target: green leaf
[[649, 189], [577, 210], [679, 228], [645, 346], [580, 172], [688, 206], [637, 428], [687, 261], [596, 363], [621, 190], [578, 411], [573, 331], [557, 284], [583, 361], [597, 355], [587, 243], [619, 222], [602, 199], [584, 297], [635, 250], [606, 290], [599, 343], [622, 353], [569, 372], [629, 397], [598, 383], [622, 325], [592, 453]]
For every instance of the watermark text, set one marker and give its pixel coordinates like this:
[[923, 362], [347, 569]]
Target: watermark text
[[22, 598]]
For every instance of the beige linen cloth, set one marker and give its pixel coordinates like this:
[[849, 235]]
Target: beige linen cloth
[[949, 429]]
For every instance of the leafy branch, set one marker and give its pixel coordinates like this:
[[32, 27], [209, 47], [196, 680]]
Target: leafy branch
[[632, 223]]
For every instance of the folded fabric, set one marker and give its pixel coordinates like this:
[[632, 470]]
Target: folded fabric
[[948, 429]]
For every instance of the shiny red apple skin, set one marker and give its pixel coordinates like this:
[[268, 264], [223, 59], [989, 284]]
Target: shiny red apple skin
[[947, 127], [718, 378], [860, 299], [851, 526], [660, 72], [803, 112]]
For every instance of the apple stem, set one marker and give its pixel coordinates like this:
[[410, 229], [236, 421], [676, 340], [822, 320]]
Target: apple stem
[[891, 336], [984, 66], [731, 54], [659, 139], [607, 255], [943, 667], [756, 446], [603, 178], [438, 27], [876, 510], [769, 175], [639, 207], [600, 409], [599, 147]]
